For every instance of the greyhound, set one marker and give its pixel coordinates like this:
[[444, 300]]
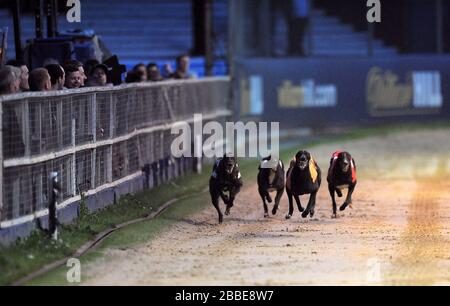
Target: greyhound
[[303, 177], [271, 177], [341, 175], [225, 177]]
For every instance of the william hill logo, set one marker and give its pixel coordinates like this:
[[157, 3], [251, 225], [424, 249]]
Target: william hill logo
[[420, 90]]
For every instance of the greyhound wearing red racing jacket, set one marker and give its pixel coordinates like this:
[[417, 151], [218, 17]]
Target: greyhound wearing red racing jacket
[[341, 175]]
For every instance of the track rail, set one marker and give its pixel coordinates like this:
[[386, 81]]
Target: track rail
[[92, 244]]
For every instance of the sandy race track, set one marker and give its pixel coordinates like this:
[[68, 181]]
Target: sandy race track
[[398, 231]]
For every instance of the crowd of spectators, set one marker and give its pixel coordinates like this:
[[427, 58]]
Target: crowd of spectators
[[15, 76]]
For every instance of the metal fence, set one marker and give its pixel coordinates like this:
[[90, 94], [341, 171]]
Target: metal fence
[[94, 138]]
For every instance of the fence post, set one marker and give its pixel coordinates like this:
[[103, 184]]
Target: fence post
[[94, 138], [161, 178], [54, 189], [146, 170], [156, 176], [73, 176], [109, 154], [26, 127], [1, 161]]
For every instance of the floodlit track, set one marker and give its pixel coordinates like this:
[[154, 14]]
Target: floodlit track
[[398, 231]]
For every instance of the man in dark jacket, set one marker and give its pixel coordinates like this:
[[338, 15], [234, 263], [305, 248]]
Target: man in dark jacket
[[296, 13]]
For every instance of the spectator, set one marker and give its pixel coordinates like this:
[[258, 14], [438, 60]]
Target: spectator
[[153, 73], [98, 76], [74, 77], [24, 74], [182, 72], [17, 74], [8, 84], [167, 71], [40, 80], [134, 77], [74, 64], [57, 76], [12, 143], [89, 65], [142, 71], [296, 14]]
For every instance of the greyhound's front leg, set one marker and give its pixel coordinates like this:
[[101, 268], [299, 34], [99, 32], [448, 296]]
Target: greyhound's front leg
[[348, 200], [215, 202], [299, 204], [311, 205], [333, 198], [263, 195], [233, 192], [291, 204], [228, 202], [277, 201]]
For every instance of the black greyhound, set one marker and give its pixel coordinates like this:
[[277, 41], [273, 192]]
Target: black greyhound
[[225, 177], [270, 179], [341, 175], [303, 177]]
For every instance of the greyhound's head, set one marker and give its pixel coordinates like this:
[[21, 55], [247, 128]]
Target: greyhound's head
[[344, 162], [228, 163], [302, 160]]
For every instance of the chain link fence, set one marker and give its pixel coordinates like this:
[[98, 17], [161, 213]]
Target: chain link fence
[[96, 138]]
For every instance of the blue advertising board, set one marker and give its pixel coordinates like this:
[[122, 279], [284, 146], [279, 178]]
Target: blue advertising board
[[333, 91]]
